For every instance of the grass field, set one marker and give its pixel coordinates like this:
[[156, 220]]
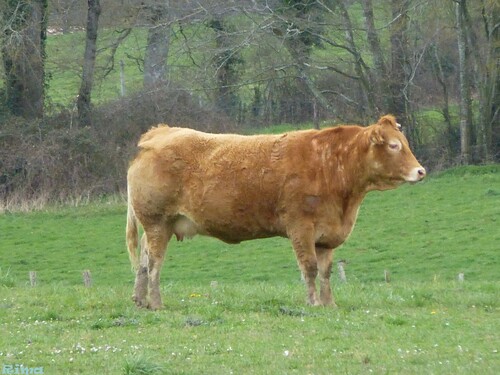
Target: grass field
[[241, 309]]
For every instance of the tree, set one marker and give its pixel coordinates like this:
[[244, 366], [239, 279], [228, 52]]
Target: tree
[[23, 53], [379, 77], [360, 67], [155, 58], [84, 96], [493, 62], [300, 30], [400, 103], [226, 60], [464, 82], [487, 66]]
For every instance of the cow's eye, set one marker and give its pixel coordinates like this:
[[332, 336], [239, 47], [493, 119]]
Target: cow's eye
[[394, 146], [399, 126]]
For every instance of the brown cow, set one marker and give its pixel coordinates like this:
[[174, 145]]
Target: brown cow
[[304, 185]]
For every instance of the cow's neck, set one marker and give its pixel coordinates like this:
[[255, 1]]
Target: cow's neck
[[350, 173]]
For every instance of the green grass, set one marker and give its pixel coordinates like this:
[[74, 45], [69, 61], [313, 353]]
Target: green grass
[[254, 319]]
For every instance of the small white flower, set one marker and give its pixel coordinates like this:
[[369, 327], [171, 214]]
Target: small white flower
[[286, 353]]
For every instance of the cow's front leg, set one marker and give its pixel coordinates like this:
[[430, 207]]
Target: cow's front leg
[[324, 257], [303, 245], [141, 277]]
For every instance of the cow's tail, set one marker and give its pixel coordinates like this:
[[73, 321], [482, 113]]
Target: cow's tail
[[132, 235]]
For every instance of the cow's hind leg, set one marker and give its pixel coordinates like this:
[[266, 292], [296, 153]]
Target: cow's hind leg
[[141, 278], [306, 258], [324, 257], [157, 239]]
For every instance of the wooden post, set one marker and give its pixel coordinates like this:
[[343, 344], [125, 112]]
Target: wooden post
[[461, 277], [87, 278], [387, 276], [33, 278], [341, 264]]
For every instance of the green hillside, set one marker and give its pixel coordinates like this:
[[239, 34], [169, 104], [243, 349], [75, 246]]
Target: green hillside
[[241, 308], [445, 225]]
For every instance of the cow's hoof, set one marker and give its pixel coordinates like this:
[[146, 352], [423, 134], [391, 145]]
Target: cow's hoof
[[329, 304], [140, 302], [154, 307], [313, 302]]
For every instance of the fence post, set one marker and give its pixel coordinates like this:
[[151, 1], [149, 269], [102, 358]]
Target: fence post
[[341, 264], [33, 278], [87, 278], [387, 276]]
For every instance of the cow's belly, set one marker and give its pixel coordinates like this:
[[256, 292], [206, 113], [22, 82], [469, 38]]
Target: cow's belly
[[232, 209], [225, 229]]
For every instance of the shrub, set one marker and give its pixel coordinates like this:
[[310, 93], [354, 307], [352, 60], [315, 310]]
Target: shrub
[[54, 160]]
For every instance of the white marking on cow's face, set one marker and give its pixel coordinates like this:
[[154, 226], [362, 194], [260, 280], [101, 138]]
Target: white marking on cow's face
[[416, 174]]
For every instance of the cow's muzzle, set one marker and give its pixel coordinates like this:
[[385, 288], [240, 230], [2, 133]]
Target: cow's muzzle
[[416, 174]]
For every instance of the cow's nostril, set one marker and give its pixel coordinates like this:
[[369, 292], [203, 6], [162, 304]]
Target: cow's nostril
[[421, 172]]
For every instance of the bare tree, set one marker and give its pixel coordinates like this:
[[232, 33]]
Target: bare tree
[[465, 83], [437, 67], [158, 42], [380, 77], [84, 96], [400, 65], [486, 62], [226, 61], [298, 26], [23, 51], [360, 67], [492, 117]]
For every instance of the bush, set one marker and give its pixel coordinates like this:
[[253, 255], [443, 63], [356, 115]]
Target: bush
[[54, 160]]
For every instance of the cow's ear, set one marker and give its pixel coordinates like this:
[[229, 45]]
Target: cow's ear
[[387, 120], [376, 136]]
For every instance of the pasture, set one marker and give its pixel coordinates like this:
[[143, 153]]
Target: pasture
[[240, 309]]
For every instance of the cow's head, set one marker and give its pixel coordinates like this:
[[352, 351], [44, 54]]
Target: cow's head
[[389, 158]]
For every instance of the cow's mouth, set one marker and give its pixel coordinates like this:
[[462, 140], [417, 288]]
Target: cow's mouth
[[417, 174]]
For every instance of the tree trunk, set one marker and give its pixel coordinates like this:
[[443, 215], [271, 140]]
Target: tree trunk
[[494, 101], [23, 50], [488, 78], [400, 103], [441, 79], [158, 43], [225, 63], [366, 89], [84, 96], [380, 79], [464, 82]]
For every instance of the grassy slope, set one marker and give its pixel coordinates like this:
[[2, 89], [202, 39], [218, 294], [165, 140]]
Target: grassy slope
[[446, 225], [255, 320]]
